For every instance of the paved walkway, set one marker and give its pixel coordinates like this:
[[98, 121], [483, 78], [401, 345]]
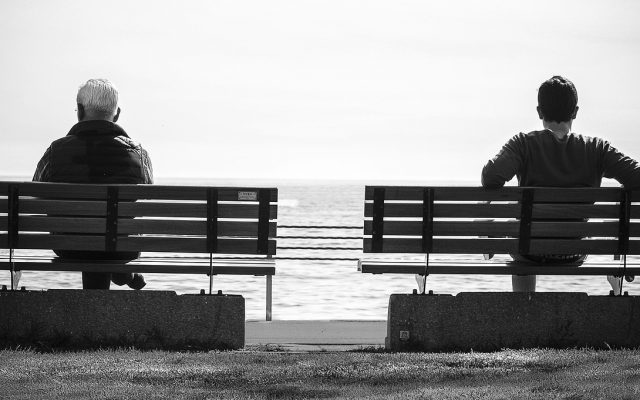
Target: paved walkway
[[302, 335]]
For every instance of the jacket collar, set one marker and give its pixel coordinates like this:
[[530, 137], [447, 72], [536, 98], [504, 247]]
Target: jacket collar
[[97, 127]]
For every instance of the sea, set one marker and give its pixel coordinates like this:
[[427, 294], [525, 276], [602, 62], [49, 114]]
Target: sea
[[320, 288]]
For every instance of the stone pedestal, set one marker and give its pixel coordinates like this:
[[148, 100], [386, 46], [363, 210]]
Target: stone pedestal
[[103, 318], [493, 321]]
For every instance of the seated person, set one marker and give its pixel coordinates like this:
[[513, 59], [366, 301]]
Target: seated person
[[557, 157], [96, 150]]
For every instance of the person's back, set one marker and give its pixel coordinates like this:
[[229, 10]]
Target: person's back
[[546, 158], [96, 150], [557, 157]]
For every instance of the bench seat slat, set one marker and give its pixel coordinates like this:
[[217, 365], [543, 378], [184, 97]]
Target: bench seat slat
[[135, 226], [445, 193], [192, 210], [140, 266], [502, 228], [179, 227], [62, 224], [56, 207], [414, 210], [63, 242], [502, 246], [148, 244], [452, 246], [577, 210], [447, 228], [471, 210], [129, 192], [453, 193], [63, 190], [137, 209], [191, 245], [495, 269]]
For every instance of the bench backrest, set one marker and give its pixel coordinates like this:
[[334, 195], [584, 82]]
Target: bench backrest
[[148, 218], [474, 220]]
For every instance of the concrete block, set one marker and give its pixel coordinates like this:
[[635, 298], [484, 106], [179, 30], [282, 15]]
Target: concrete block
[[104, 318], [493, 321]]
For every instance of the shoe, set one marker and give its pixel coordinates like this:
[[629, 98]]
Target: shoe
[[138, 282]]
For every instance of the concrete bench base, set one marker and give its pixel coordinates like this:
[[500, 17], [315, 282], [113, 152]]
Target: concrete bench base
[[493, 321], [103, 318]]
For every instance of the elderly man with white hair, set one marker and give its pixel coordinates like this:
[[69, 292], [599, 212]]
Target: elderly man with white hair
[[96, 150]]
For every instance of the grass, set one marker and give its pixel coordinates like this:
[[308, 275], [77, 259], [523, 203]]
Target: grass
[[258, 374]]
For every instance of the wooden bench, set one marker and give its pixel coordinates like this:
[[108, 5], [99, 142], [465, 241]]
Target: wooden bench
[[511, 220], [179, 229], [475, 221]]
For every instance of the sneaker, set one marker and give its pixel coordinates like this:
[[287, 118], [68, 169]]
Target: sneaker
[[138, 282]]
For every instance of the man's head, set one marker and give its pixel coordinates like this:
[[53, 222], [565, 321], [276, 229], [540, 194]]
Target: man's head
[[557, 100], [98, 99]]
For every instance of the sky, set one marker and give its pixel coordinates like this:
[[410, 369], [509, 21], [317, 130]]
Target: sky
[[299, 89]]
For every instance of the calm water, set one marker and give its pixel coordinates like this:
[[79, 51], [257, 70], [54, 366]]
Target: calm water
[[323, 289]]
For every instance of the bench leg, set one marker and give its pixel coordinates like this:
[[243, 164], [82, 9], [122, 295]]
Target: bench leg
[[15, 279], [269, 292]]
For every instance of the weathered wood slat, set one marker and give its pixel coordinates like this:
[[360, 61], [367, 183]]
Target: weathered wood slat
[[573, 246], [452, 246], [191, 245], [502, 228], [63, 190], [131, 192], [503, 246], [62, 224], [577, 229], [179, 227], [453, 193], [152, 192], [56, 207], [446, 193], [190, 210], [447, 228], [495, 269], [152, 244], [576, 210], [62, 242], [137, 209], [219, 268], [135, 226], [468, 210]]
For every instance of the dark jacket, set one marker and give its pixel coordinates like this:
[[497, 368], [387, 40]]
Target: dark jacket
[[95, 152]]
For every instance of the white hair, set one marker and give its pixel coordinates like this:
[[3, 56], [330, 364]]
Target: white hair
[[99, 96]]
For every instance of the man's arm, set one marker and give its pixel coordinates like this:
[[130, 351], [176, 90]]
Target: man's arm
[[504, 165], [147, 168], [43, 171], [620, 167]]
